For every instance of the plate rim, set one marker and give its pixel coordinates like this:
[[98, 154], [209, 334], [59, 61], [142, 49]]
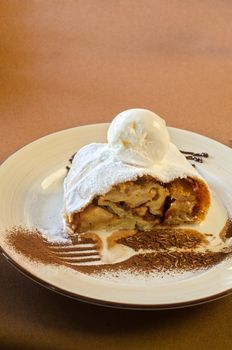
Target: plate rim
[[107, 303], [98, 301]]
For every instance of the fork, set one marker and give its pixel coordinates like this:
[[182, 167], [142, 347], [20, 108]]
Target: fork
[[80, 253]]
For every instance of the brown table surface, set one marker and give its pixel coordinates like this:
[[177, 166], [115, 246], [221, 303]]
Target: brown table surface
[[68, 63]]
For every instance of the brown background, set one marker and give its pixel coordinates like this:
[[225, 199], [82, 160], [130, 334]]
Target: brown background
[[68, 63]]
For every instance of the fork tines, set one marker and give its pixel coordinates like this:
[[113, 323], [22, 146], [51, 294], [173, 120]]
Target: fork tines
[[77, 254]]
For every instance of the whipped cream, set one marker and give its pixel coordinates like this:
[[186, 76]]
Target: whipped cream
[[139, 137], [96, 168]]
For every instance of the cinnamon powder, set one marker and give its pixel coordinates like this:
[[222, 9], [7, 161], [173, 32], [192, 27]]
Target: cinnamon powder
[[164, 238], [32, 245], [160, 262], [227, 230]]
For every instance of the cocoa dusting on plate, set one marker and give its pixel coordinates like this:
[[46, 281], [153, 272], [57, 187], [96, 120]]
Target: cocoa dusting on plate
[[160, 262], [227, 230], [164, 238], [33, 246]]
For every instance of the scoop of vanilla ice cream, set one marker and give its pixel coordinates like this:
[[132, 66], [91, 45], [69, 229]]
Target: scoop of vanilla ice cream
[[139, 137]]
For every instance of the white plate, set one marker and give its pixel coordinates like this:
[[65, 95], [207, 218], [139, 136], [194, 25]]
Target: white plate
[[31, 186]]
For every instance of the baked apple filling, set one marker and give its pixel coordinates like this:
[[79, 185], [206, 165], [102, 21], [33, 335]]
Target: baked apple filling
[[143, 204]]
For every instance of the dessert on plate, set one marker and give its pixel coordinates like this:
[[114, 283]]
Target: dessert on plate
[[138, 180]]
